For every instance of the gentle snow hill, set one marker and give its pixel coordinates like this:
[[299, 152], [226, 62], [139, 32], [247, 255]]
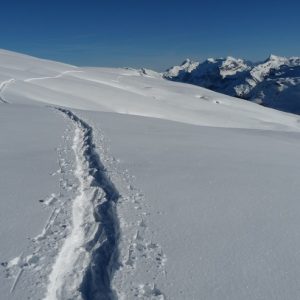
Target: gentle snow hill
[[119, 184], [274, 83], [129, 91], [21, 66]]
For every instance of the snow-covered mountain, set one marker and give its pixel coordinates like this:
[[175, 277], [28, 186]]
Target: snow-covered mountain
[[273, 83], [119, 184]]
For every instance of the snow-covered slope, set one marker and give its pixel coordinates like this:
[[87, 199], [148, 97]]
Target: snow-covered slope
[[21, 66], [273, 83], [119, 184], [136, 92]]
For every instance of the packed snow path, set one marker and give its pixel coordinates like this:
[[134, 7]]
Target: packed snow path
[[89, 255], [52, 77]]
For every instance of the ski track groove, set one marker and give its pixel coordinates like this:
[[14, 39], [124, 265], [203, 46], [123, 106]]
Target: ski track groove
[[16, 280], [52, 77], [89, 256], [3, 86]]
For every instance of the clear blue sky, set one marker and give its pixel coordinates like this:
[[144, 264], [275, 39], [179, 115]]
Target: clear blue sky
[[150, 33]]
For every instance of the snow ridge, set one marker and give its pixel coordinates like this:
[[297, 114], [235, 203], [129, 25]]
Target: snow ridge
[[89, 255]]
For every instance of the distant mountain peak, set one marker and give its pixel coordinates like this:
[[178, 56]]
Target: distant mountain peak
[[211, 60], [275, 57], [186, 61], [277, 77]]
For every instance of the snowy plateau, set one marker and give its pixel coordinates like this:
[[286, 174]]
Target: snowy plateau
[[273, 83], [120, 184]]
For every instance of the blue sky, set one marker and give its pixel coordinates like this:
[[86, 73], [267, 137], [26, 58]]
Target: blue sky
[[149, 33]]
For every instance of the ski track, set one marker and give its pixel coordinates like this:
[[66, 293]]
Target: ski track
[[52, 77], [3, 86], [89, 256], [6, 83]]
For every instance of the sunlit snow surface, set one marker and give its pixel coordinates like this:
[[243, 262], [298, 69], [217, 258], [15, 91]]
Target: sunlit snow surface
[[149, 189]]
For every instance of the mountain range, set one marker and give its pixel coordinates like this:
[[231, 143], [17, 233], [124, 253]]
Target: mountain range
[[274, 82]]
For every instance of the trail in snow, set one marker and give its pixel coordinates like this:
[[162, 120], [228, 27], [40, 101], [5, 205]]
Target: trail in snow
[[52, 77], [3, 86], [6, 83], [89, 256]]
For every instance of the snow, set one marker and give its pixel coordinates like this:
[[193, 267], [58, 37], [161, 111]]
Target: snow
[[29, 138], [92, 240], [186, 66], [222, 207], [119, 183], [129, 91], [251, 81], [274, 62]]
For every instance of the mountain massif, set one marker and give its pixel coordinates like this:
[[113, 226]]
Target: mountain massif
[[274, 82]]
